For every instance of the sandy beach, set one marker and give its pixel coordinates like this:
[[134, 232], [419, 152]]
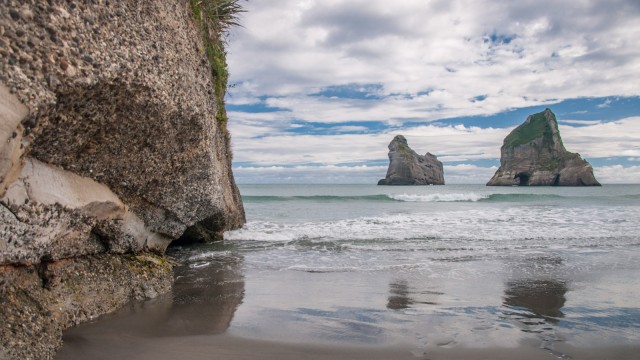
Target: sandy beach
[[96, 345], [516, 276]]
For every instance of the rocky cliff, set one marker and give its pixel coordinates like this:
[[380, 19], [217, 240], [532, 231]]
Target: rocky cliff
[[111, 147], [406, 167], [533, 154]]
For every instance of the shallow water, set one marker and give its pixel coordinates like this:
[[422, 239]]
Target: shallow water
[[425, 268]]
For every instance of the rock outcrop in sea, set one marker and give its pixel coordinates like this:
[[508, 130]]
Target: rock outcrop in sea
[[111, 147], [406, 167], [533, 155]]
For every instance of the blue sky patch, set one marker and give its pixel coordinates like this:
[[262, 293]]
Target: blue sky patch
[[613, 160], [602, 109], [498, 39], [254, 108], [349, 127], [478, 98], [352, 91]]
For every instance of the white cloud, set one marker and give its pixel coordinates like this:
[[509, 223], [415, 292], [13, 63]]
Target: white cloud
[[468, 174], [601, 140], [426, 61], [580, 122], [449, 143], [362, 174], [506, 50], [310, 174], [617, 174], [605, 104]]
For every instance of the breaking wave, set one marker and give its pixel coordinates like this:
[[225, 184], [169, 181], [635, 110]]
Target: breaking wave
[[437, 197]]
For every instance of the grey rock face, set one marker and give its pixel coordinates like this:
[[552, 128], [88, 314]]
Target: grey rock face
[[406, 167], [109, 146], [533, 155], [117, 97]]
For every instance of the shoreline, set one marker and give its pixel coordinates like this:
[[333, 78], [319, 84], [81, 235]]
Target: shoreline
[[100, 346], [333, 286]]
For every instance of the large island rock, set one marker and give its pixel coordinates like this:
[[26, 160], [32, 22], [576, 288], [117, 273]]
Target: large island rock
[[533, 155], [111, 147], [406, 167]]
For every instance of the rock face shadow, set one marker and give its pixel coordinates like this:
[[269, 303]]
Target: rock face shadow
[[204, 299]]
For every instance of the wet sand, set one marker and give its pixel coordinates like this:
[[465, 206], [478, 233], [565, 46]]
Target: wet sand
[[222, 311], [112, 346]]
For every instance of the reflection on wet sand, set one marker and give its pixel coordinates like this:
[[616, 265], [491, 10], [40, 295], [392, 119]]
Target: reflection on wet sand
[[205, 297], [536, 304], [399, 295], [402, 296], [544, 298]]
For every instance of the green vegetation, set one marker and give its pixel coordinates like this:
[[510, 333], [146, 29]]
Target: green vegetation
[[529, 131], [148, 261], [215, 18], [404, 150]]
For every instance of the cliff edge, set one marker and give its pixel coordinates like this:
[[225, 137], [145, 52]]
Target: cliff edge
[[533, 155], [406, 167], [113, 144]]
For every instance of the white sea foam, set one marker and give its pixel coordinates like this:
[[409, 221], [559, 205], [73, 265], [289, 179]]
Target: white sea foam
[[454, 197], [210, 255], [200, 264], [439, 238], [510, 227]]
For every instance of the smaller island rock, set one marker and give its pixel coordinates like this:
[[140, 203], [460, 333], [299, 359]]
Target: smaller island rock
[[406, 167], [533, 155]]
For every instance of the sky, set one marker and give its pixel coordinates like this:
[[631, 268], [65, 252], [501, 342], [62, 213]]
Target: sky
[[319, 88]]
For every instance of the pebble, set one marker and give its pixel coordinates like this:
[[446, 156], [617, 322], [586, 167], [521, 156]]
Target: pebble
[[15, 15]]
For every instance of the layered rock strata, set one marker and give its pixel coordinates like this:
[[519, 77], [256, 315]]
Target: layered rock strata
[[406, 167], [109, 151], [533, 155]]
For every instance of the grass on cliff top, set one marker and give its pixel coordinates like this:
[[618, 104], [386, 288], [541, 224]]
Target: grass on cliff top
[[215, 18], [529, 131], [405, 150]]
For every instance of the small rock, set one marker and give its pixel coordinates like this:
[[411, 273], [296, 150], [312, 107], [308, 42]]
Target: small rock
[[53, 81], [26, 13], [33, 42], [64, 65], [15, 15], [71, 71]]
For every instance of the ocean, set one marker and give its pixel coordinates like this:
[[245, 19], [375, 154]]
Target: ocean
[[427, 268]]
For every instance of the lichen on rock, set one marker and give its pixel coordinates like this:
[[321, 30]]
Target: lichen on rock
[[533, 155], [406, 167]]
